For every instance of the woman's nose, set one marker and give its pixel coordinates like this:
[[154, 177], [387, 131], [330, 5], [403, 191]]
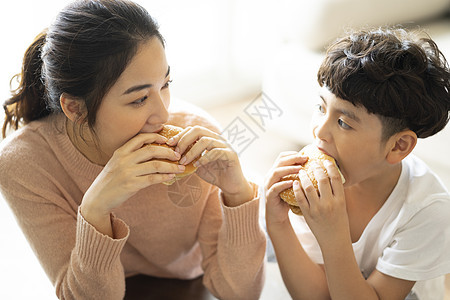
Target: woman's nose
[[160, 113]]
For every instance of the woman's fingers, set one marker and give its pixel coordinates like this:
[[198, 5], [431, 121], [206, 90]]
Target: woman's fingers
[[158, 167], [190, 135], [173, 141], [224, 155], [155, 151], [206, 144], [200, 139], [140, 140], [147, 180]]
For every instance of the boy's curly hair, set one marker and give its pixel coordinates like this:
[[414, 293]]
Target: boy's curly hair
[[394, 74]]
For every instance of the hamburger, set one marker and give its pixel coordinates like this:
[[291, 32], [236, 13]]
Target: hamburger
[[314, 155], [168, 132]]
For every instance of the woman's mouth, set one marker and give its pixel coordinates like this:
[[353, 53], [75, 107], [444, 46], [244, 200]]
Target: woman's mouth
[[153, 129]]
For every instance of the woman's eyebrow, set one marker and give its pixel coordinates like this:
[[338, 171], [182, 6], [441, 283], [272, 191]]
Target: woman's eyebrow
[[137, 88], [142, 86], [168, 71]]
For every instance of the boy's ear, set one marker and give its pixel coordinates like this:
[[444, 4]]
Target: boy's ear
[[402, 144], [72, 107]]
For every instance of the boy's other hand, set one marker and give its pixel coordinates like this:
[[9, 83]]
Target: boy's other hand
[[287, 163]]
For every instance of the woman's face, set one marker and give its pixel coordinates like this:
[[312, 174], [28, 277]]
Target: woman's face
[[138, 102]]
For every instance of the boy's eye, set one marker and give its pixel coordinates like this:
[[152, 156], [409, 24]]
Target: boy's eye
[[343, 124], [167, 84], [320, 108]]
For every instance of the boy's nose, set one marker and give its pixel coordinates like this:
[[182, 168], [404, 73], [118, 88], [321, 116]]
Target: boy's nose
[[321, 129]]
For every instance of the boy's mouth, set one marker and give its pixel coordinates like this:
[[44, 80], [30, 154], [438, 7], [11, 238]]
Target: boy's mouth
[[337, 164], [325, 152]]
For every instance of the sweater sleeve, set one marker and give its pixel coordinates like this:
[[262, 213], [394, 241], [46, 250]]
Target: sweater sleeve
[[81, 262], [233, 246], [95, 270]]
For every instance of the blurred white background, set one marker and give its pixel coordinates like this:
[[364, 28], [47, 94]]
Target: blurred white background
[[214, 47]]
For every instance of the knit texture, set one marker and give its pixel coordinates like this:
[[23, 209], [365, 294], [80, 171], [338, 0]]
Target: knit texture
[[178, 231]]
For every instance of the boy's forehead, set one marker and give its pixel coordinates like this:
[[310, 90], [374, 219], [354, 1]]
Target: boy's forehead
[[358, 113]]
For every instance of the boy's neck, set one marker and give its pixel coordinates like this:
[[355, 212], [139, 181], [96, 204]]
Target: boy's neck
[[376, 190], [365, 199]]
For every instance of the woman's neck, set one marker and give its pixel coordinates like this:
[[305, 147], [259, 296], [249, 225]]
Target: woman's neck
[[81, 137]]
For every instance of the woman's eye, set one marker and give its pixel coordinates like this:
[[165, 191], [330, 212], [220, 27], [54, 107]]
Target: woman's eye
[[140, 101], [167, 84], [343, 124]]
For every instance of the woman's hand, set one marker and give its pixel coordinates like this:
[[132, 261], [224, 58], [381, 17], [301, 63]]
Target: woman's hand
[[217, 163], [324, 211], [132, 167], [287, 163]]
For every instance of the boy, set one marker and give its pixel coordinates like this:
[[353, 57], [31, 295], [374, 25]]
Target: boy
[[385, 233]]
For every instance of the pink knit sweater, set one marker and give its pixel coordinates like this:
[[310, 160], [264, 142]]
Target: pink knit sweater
[[178, 231]]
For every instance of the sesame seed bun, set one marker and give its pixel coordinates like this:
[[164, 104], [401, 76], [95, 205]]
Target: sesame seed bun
[[168, 132], [314, 155]]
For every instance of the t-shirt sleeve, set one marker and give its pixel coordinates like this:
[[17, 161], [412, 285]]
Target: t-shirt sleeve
[[419, 250]]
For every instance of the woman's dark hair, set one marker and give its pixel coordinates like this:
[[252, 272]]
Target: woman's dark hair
[[82, 54], [403, 79]]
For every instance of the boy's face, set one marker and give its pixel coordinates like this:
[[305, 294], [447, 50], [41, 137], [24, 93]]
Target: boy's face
[[352, 136]]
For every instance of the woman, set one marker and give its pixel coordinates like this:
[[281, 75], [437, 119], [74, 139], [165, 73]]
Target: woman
[[87, 194]]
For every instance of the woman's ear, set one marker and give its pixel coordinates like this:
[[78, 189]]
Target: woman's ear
[[73, 108], [402, 144]]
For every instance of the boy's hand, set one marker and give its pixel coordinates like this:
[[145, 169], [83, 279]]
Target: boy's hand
[[324, 211], [287, 163]]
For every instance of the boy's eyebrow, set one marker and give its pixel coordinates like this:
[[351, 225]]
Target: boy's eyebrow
[[351, 115], [345, 112], [142, 86]]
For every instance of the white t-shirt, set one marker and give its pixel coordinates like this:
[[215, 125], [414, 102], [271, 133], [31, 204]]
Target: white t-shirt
[[408, 238]]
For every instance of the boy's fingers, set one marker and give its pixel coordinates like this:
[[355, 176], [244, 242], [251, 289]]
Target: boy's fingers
[[335, 179], [274, 191], [308, 188], [323, 181], [291, 159], [280, 172], [300, 196]]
